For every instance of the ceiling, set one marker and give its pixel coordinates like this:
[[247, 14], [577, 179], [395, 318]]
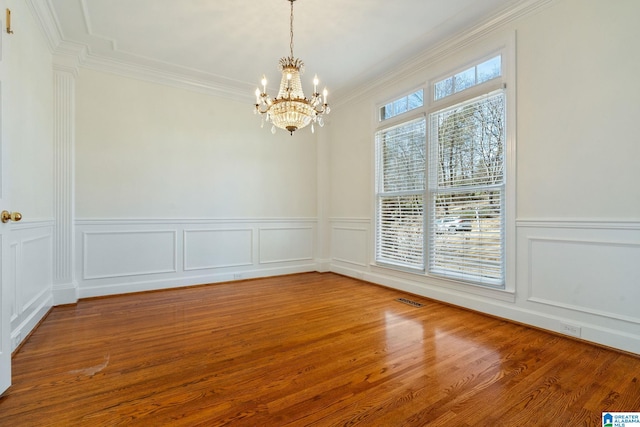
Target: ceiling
[[231, 43]]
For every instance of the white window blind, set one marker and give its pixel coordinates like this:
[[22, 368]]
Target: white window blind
[[467, 191], [400, 194]]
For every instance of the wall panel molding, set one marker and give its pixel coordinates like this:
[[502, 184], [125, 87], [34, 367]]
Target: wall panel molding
[[202, 250], [583, 273], [31, 258], [350, 244], [590, 276], [122, 253], [578, 273], [286, 244], [217, 248]]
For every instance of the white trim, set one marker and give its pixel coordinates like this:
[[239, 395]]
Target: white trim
[[350, 220], [85, 235], [64, 129], [439, 284], [42, 11], [363, 230], [581, 309], [14, 250], [185, 260], [184, 78], [583, 224], [292, 260], [497, 305], [438, 52], [276, 261], [66, 293], [19, 333], [177, 77], [32, 224], [178, 282], [574, 307], [187, 221]]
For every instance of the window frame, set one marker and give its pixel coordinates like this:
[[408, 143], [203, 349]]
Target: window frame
[[505, 47], [402, 115], [404, 118], [433, 188]]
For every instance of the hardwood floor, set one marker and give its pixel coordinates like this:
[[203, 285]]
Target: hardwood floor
[[309, 349]]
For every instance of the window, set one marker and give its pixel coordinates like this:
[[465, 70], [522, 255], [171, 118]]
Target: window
[[441, 203], [480, 73], [402, 105], [400, 190], [466, 190]]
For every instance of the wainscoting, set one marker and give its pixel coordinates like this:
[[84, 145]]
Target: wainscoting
[[122, 256], [29, 276], [577, 278], [350, 243], [584, 277]]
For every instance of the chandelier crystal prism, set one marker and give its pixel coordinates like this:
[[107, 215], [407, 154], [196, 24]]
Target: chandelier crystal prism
[[291, 110]]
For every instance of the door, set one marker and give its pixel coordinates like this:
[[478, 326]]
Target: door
[[5, 325]]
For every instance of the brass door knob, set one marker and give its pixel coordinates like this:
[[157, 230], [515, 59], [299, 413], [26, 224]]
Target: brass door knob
[[6, 216]]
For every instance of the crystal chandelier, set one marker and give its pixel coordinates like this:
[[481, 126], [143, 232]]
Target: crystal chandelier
[[290, 110]]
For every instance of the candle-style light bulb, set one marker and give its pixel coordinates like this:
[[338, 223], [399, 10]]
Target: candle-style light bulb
[[289, 77], [264, 84], [315, 84], [324, 94], [257, 96]]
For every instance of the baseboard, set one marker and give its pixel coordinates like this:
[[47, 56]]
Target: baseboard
[[126, 286], [19, 334], [604, 334], [65, 294]]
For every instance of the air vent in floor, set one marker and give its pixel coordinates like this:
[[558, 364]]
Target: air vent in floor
[[411, 303]]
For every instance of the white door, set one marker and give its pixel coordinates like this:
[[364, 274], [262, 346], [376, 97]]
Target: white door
[[5, 325]]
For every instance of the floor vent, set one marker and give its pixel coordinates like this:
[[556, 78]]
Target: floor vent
[[408, 301]]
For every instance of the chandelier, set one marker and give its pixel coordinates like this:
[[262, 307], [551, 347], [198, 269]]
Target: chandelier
[[290, 110]]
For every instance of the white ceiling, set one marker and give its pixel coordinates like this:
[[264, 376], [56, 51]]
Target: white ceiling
[[231, 43]]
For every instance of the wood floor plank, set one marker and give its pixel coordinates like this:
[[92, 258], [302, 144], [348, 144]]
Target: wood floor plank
[[309, 349]]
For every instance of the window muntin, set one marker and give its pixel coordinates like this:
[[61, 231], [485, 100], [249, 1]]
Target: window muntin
[[400, 194], [473, 76], [456, 227], [467, 190], [402, 105]]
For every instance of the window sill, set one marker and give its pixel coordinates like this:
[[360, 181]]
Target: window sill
[[425, 280]]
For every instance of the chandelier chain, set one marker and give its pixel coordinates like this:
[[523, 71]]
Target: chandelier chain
[[291, 29]]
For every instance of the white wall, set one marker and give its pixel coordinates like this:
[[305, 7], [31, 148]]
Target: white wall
[[578, 109], [577, 204], [180, 188], [145, 150], [27, 125]]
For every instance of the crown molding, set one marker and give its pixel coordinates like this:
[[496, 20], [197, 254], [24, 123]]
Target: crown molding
[[440, 50], [68, 56], [182, 79], [71, 57], [42, 11]]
